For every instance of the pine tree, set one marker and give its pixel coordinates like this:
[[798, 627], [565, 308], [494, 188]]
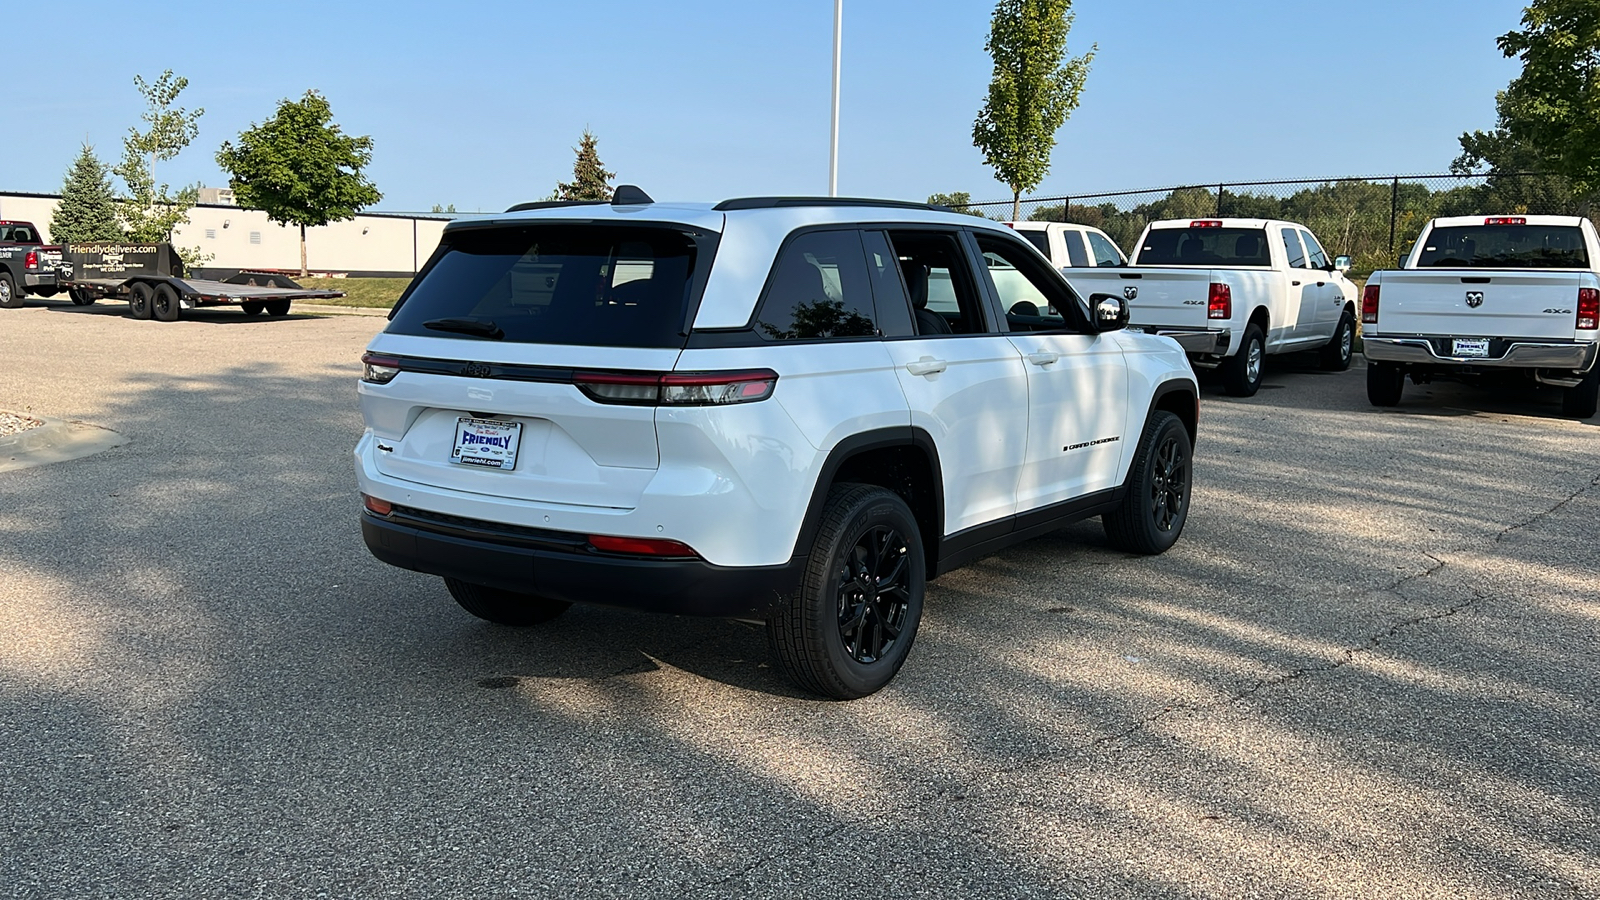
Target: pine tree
[[88, 208], [590, 180]]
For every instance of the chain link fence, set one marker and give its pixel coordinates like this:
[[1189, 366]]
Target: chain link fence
[[1371, 220]]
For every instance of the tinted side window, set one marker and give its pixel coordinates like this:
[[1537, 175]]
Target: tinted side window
[[1033, 296], [818, 289], [1076, 254], [894, 310], [1318, 258], [1040, 239], [939, 283], [1104, 252], [1291, 244]]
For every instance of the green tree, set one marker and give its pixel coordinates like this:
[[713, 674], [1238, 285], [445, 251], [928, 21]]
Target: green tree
[[960, 201], [151, 211], [299, 168], [88, 208], [590, 180], [444, 209], [1034, 89], [1548, 118]]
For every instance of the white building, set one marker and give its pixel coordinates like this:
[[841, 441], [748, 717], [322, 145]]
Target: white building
[[371, 244]]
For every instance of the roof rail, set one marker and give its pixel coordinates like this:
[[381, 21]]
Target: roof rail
[[776, 202], [550, 204]]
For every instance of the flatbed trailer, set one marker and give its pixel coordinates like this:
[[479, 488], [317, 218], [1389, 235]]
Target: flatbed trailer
[[151, 278]]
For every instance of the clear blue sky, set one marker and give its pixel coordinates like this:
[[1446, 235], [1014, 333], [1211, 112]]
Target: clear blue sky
[[479, 104]]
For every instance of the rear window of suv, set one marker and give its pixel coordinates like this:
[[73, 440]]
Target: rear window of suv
[[1205, 247], [1504, 247], [561, 283]]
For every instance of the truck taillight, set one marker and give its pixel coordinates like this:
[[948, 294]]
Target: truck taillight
[[1588, 309], [677, 388], [1219, 302], [30, 260], [1369, 305]]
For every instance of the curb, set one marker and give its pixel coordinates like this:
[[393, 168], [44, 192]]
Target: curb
[[57, 440]]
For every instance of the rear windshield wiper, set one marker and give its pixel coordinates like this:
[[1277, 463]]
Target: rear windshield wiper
[[479, 327]]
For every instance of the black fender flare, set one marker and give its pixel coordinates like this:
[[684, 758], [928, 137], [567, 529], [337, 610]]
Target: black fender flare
[[864, 442]]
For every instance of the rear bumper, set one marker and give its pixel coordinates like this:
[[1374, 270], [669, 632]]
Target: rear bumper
[[33, 280], [1201, 341], [1504, 354], [561, 566]]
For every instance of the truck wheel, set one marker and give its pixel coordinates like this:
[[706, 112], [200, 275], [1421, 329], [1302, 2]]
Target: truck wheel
[[1157, 501], [252, 307], [164, 305], [1385, 383], [504, 607], [80, 297], [139, 300], [1241, 373], [277, 307], [848, 628], [10, 297], [1580, 402], [1336, 355]]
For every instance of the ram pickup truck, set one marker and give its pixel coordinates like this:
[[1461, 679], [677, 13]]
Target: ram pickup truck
[[1232, 291], [1478, 296], [1066, 244], [27, 266]]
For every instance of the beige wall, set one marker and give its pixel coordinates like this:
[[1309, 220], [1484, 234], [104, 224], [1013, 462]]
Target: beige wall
[[364, 244]]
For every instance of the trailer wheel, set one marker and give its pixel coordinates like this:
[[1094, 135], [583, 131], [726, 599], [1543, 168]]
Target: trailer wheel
[[80, 297], [277, 307], [165, 306], [252, 307], [10, 297], [139, 297]]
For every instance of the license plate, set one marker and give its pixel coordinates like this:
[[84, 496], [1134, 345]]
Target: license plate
[[489, 443], [1459, 347]]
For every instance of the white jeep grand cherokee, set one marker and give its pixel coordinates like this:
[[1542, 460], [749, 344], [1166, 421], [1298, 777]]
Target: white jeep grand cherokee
[[796, 410]]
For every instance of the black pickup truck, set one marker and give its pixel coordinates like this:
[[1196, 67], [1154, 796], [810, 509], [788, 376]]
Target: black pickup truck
[[27, 266]]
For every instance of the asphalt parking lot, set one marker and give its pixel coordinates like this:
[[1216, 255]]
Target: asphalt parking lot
[[1368, 669]]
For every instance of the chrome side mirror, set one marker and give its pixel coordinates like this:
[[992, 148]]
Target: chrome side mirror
[[1341, 263], [1110, 312]]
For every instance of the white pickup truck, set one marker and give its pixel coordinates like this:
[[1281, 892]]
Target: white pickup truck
[[1066, 244], [1231, 291], [1482, 295]]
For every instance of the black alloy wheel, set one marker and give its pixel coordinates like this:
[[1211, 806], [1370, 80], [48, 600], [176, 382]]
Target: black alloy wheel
[[252, 307], [1156, 503], [140, 297], [874, 595], [848, 626], [80, 297], [164, 304]]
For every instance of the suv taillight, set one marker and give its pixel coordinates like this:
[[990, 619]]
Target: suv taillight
[[1369, 305], [678, 388], [30, 260], [379, 369], [1588, 309], [1219, 301]]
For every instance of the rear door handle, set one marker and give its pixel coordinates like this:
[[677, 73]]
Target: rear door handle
[[1294, 284], [1043, 357], [927, 366]]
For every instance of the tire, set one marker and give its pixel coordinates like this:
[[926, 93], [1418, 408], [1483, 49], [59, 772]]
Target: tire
[[164, 304], [80, 297], [277, 307], [1385, 384], [252, 307], [1241, 373], [10, 297], [845, 635], [504, 607], [1156, 504], [140, 298], [1580, 402], [1336, 355]]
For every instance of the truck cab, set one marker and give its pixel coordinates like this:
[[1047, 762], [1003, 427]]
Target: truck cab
[[27, 266], [1066, 244]]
